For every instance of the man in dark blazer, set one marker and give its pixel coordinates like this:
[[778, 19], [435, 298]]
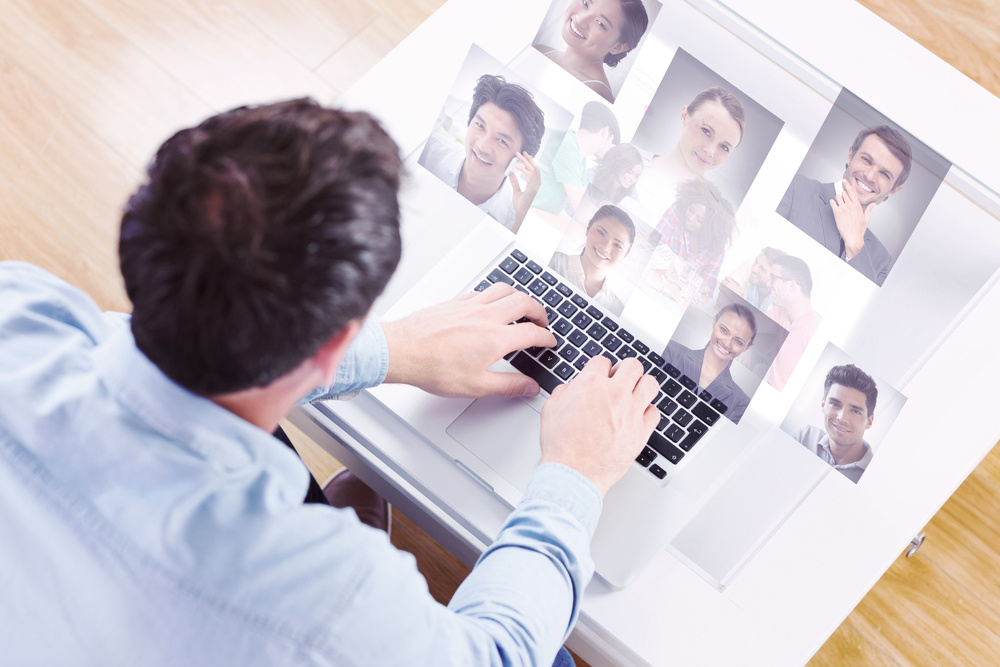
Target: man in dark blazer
[[837, 214]]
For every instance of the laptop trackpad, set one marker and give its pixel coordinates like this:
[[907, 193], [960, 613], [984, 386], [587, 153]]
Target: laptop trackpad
[[503, 433]]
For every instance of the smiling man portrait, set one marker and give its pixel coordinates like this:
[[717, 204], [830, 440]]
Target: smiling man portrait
[[848, 407], [504, 134], [838, 214]]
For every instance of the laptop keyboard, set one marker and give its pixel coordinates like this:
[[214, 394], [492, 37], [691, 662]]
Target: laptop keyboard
[[582, 331]]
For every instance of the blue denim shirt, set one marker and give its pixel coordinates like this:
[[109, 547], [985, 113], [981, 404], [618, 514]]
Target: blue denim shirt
[[145, 525]]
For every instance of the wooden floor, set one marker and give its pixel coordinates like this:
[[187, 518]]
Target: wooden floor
[[89, 88]]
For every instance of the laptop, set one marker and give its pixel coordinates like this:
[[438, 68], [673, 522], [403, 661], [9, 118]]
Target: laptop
[[715, 506]]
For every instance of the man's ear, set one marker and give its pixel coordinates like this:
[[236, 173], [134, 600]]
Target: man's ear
[[870, 418], [895, 189], [328, 356]]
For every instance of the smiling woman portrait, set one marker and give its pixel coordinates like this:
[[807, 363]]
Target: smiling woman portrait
[[711, 129], [597, 33], [733, 332], [610, 235]]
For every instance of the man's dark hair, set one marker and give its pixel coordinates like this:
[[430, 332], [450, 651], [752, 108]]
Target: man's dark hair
[[596, 116], [632, 29], [259, 234], [515, 100], [795, 269], [894, 141], [744, 314], [852, 377]]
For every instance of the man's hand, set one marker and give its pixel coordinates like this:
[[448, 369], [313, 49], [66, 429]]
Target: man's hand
[[533, 180], [852, 219], [447, 349], [599, 421]]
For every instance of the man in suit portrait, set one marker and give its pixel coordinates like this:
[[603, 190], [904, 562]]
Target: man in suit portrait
[[838, 214]]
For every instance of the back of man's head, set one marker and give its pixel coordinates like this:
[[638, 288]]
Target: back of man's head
[[260, 233], [894, 141], [596, 116], [515, 100], [795, 269]]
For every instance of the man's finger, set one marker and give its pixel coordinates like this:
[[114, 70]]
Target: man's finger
[[514, 306], [508, 385], [525, 335]]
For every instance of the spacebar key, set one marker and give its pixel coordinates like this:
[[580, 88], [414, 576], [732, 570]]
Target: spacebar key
[[536, 371]]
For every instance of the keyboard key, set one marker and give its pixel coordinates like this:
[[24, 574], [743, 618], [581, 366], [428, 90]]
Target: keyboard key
[[657, 471], [625, 336], [591, 349], [624, 352], [567, 309], [688, 382], [719, 405], [647, 365], [682, 417], [579, 301], [580, 362], [577, 337], [582, 320], [532, 369], [705, 395], [690, 440], [568, 352], [664, 423], [497, 276], [611, 343], [518, 255], [656, 359], [548, 358], [674, 433], [564, 370], [646, 456], [562, 326], [659, 374], [671, 387], [597, 332], [687, 399], [483, 285], [705, 413], [672, 370], [510, 265], [534, 267], [565, 291], [640, 347], [552, 298], [523, 276], [664, 448], [595, 312], [667, 405], [538, 287], [609, 324], [550, 315], [549, 278]]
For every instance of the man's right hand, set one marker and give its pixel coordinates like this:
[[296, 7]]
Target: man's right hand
[[598, 422]]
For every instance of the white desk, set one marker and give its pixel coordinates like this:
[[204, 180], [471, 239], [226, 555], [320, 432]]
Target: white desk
[[832, 549]]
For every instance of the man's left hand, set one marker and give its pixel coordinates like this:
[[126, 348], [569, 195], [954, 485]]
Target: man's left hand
[[852, 219], [447, 349]]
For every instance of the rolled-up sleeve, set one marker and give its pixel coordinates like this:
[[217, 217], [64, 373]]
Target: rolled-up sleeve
[[364, 365]]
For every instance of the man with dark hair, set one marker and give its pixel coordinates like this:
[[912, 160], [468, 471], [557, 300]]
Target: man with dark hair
[[565, 179], [152, 518], [791, 288], [848, 405], [838, 214], [505, 124]]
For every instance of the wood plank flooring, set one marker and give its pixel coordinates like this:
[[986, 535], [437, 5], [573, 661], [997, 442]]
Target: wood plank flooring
[[89, 88]]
